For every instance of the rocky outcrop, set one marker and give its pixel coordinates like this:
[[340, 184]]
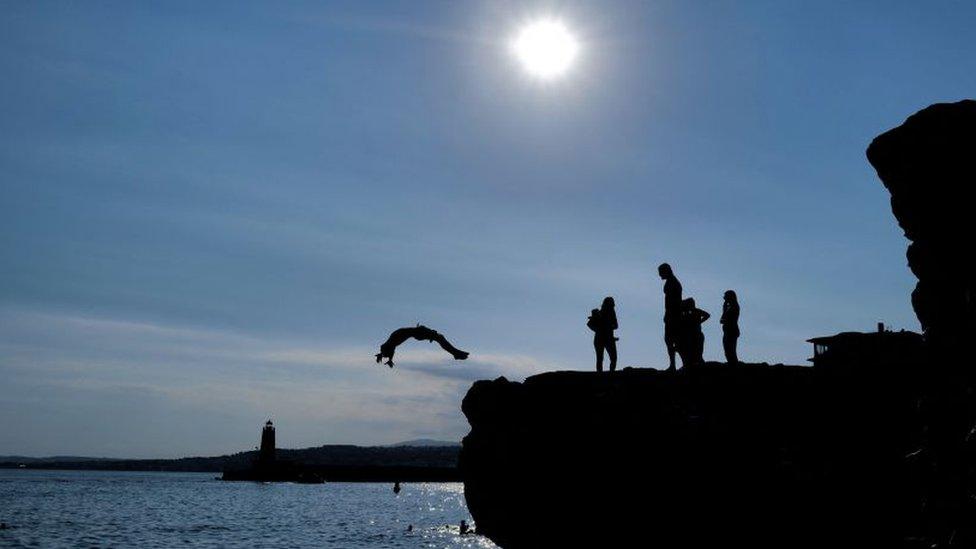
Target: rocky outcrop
[[878, 455], [713, 456], [928, 165]]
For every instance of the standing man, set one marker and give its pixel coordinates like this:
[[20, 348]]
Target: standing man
[[672, 311]]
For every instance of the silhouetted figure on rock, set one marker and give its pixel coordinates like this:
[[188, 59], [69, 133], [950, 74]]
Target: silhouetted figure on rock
[[603, 322], [691, 341], [418, 332], [672, 311], [730, 326]]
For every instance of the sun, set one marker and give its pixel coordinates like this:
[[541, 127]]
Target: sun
[[546, 48]]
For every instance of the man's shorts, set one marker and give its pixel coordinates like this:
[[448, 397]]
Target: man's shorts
[[671, 329]]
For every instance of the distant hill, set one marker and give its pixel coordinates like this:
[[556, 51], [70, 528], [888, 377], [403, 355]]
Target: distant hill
[[421, 442], [335, 455], [26, 459]]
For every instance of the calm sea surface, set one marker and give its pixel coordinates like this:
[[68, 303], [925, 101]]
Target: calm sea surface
[[120, 509]]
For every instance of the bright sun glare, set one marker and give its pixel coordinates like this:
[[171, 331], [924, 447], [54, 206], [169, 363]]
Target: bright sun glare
[[546, 48]]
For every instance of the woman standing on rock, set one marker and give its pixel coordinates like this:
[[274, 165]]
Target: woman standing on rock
[[603, 322], [730, 327]]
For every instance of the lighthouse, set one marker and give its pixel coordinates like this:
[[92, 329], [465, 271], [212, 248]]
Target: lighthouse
[[267, 452]]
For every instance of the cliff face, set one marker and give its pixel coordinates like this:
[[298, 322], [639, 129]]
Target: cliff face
[[763, 455], [928, 164], [879, 456]]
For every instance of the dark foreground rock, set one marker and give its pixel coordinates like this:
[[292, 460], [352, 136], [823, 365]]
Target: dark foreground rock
[[867, 456], [928, 164], [757, 455], [879, 456]]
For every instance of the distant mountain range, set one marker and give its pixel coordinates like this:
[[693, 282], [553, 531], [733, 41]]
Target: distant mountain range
[[421, 453], [26, 459], [427, 442]]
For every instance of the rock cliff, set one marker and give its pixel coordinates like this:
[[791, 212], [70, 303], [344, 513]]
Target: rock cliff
[[761, 455], [756, 455], [928, 164]]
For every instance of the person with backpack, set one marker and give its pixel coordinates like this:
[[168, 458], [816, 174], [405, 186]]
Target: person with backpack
[[603, 322], [691, 346]]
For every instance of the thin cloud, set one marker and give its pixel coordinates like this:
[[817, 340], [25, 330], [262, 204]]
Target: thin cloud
[[321, 393]]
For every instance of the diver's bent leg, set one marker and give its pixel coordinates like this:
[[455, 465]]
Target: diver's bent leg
[[446, 345]]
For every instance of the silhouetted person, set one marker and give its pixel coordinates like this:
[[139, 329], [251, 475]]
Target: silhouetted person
[[396, 487], [672, 311], [410, 528], [603, 322], [594, 323], [691, 342], [418, 332], [464, 528], [730, 326]]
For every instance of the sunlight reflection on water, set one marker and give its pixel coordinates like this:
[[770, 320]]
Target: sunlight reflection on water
[[127, 509]]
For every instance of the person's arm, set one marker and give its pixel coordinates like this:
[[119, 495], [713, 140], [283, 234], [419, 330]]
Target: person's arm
[[703, 315]]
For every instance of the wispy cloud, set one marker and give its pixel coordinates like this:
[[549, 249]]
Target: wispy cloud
[[320, 393]]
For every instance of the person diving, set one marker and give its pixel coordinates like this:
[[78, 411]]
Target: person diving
[[420, 333]]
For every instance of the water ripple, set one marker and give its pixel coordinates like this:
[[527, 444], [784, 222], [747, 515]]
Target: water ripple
[[125, 509]]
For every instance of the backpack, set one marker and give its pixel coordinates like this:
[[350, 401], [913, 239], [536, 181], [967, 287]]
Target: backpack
[[593, 322]]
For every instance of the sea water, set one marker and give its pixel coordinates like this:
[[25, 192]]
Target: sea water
[[144, 509]]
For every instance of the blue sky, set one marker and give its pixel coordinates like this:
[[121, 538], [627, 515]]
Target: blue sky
[[212, 213]]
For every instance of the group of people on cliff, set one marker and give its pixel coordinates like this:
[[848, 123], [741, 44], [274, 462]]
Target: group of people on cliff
[[682, 326]]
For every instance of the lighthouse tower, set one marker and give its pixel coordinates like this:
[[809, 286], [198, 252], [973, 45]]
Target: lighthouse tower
[[267, 452]]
